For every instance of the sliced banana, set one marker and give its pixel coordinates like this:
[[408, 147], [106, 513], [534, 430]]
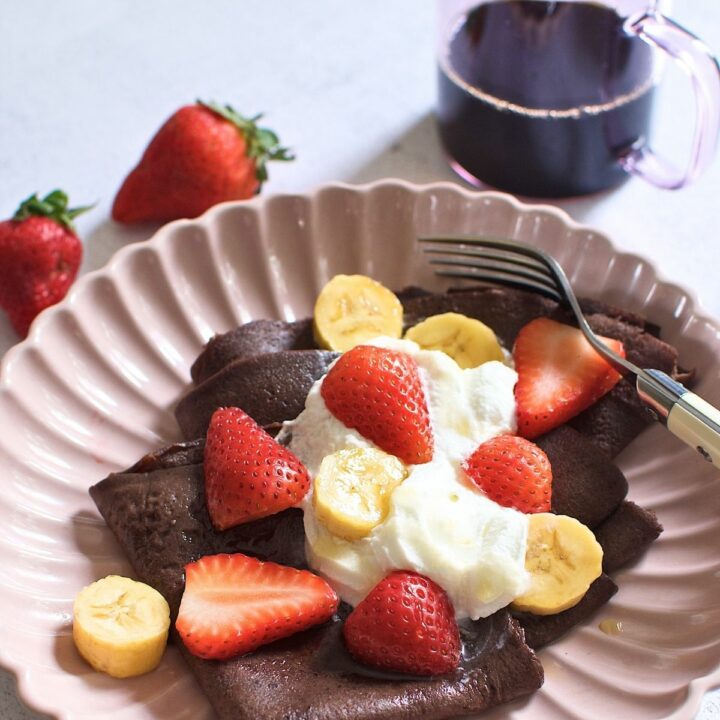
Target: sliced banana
[[467, 341], [352, 309], [352, 489], [563, 559], [120, 626]]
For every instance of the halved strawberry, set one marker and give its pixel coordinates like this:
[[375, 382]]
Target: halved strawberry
[[559, 375], [405, 624], [248, 475], [513, 472], [378, 393], [233, 604]]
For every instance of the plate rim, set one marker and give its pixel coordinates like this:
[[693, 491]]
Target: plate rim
[[208, 217], [696, 688]]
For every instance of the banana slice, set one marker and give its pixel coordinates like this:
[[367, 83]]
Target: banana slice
[[352, 309], [467, 341], [352, 490], [120, 626], [563, 559]]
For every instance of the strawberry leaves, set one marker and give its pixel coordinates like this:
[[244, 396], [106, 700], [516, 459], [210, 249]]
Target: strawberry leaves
[[262, 143], [54, 206]]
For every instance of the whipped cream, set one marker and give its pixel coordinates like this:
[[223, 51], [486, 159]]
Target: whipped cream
[[439, 523]]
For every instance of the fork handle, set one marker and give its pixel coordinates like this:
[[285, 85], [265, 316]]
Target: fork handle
[[689, 417]]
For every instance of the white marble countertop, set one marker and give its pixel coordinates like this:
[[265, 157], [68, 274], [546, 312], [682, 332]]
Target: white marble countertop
[[350, 86]]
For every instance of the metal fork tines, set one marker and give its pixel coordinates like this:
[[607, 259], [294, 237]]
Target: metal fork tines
[[501, 261], [511, 262], [493, 264]]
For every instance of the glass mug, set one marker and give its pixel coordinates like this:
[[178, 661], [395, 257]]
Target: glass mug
[[553, 99]]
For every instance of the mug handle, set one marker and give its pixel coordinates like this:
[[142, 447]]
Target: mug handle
[[696, 59]]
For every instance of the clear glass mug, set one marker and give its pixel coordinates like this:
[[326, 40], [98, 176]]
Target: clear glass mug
[[553, 99]]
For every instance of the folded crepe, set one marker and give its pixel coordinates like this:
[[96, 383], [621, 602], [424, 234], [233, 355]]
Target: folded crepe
[[270, 388], [156, 509], [249, 364], [157, 512]]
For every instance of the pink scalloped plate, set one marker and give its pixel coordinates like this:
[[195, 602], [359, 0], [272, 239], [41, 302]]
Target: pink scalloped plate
[[93, 387]]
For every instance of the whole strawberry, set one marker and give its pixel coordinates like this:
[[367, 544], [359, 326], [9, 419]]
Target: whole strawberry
[[405, 624], [40, 256], [204, 154], [378, 392], [513, 472], [248, 475]]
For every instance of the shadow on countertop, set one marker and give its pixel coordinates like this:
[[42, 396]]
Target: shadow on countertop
[[417, 155]]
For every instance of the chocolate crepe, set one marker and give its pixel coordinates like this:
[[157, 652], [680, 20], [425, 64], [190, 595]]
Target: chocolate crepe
[[626, 534], [305, 676], [270, 388], [540, 630], [585, 485], [156, 509], [158, 514], [255, 338], [610, 424], [263, 336]]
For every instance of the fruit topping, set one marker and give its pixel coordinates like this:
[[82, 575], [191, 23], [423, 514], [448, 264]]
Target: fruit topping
[[378, 392], [204, 154], [233, 604], [352, 309], [120, 626], [512, 472], [467, 341], [559, 375], [405, 624], [248, 475], [40, 256], [351, 492], [563, 560]]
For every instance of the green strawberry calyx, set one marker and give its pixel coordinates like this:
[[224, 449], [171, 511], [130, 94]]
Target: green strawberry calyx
[[262, 143], [54, 206]]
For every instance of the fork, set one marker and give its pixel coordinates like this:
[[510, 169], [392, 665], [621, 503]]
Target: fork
[[516, 264]]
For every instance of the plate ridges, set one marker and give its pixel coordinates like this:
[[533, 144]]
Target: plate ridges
[[236, 236]]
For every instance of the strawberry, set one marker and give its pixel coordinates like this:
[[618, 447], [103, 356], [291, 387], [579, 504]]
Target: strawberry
[[248, 475], [378, 393], [513, 472], [233, 604], [40, 256], [204, 154], [405, 624], [559, 375]]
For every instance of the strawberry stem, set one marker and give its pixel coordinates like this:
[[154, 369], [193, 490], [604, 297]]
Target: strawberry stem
[[262, 143], [54, 205]]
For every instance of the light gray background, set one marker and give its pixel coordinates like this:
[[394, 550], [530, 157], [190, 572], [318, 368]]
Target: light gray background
[[351, 86]]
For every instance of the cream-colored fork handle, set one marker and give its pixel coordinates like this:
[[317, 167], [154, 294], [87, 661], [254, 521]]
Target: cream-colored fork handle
[[689, 417], [698, 428]]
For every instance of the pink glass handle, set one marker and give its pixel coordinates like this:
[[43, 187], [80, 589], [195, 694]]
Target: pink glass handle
[[697, 60]]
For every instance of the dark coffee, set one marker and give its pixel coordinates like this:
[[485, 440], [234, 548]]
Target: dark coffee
[[541, 98]]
